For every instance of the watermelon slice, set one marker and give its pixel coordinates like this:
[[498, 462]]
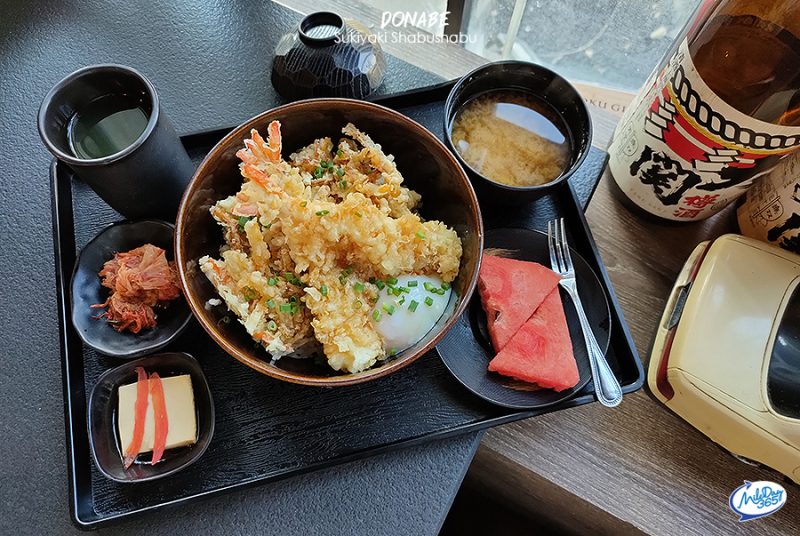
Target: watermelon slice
[[511, 291], [541, 351]]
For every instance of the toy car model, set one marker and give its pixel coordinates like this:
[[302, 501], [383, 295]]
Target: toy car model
[[726, 357]]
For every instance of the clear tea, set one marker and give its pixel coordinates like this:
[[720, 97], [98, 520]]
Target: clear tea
[[106, 126]]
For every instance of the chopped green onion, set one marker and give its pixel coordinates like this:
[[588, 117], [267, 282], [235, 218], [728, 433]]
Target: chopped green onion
[[339, 153], [272, 326], [303, 204], [445, 286], [323, 212], [420, 235], [404, 290], [380, 284], [373, 280], [243, 220], [394, 291], [272, 281], [293, 299], [392, 351], [270, 303], [318, 172], [440, 291], [428, 301], [323, 290], [402, 301], [412, 283], [376, 315], [391, 280], [357, 304], [412, 306], [285, 307], [249, 294], [340, 172], [428, 286], [389, 308], [359, 287]]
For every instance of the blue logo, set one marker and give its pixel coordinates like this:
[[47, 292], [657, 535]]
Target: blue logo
[[752, 500]]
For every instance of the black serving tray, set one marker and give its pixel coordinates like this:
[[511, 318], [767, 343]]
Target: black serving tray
[[267, 429]]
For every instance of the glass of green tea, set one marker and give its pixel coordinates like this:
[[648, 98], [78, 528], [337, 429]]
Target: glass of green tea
[[106, 123]]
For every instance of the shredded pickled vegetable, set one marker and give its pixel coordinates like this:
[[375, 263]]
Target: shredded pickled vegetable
[[140, 280]]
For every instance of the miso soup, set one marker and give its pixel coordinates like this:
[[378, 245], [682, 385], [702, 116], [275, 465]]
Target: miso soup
[[512, 137]]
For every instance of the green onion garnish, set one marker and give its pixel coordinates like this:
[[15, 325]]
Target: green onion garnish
[[392, 351], [270, 303], [402, 301], [303, 204], [404, 290], [293, 299], [389, 308], [339, 153], [412, 283], [412, 306], [359, 287], [323, 290], [391, 280], [376, 315], [318, 172], [357, 304], [420, 235], [243, 220], [285, 307], [272, 326], [272, 281], [428, 286], [445, 286], [323, 212], [340, 172], [428, 301], [372, 280], [380, 284], [249, 294]]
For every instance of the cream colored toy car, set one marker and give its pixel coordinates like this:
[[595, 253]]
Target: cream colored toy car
[[727, 353]]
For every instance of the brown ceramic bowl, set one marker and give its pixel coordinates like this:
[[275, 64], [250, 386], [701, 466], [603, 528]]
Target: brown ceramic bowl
[[428, 167]]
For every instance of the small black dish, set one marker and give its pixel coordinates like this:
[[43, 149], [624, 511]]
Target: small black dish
[[328, 57], [86, 291], [466, 350], [103, 435], [562, 98]]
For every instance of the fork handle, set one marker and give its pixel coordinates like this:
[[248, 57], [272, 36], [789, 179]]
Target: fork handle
[[607, 388]]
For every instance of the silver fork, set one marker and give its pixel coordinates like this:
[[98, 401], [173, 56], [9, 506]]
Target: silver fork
[[607, 388]]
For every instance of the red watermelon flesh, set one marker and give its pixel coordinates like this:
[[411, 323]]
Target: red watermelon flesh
[[541, 351], [511, 291]]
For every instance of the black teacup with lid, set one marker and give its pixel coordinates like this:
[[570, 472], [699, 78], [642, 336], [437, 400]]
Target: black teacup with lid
[[106, 123], [328, 57]]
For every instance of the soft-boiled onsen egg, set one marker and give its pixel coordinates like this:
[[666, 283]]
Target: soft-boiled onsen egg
[[403, 317]]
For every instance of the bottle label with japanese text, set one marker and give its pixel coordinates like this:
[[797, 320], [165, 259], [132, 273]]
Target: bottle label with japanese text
[[771, 210], [682, 153]]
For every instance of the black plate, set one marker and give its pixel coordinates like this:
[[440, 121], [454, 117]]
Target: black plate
[[466, 350], [86, 291], [268, 429], [104, 438]]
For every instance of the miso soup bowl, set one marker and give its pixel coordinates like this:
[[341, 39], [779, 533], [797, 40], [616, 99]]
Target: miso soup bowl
[[564, 101], [427, 167]]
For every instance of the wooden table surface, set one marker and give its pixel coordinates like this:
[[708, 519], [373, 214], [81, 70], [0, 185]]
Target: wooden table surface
[[638, 468]]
